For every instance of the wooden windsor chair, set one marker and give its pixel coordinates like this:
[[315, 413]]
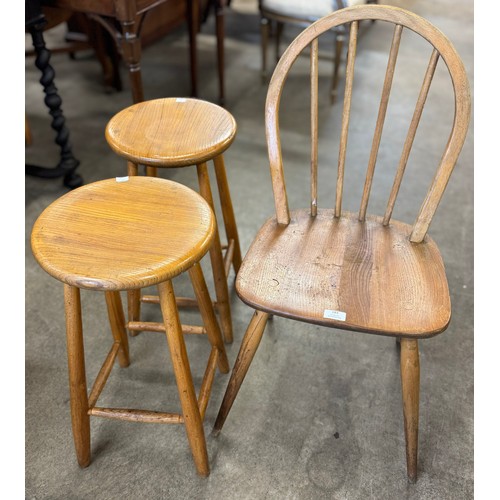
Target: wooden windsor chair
[[123, 234], [354, 271], [176, 133]]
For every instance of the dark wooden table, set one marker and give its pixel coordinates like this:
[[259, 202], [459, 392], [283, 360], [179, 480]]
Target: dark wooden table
[[35, 23], [123, 19]]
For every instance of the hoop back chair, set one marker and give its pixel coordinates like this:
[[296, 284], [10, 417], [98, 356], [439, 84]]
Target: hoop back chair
[[354, 271]]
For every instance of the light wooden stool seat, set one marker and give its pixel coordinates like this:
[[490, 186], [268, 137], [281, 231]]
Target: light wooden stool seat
[[181, 132], [121, 234]]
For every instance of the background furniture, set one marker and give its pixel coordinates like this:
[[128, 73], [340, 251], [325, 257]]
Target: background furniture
[[84, 34], [180, 132], [302, 13], [133, 23], [35, 23], [354, 271], [125, 234]]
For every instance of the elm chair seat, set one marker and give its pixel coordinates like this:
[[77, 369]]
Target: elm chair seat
[[359, 276]]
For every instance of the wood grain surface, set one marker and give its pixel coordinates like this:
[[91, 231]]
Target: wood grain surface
[[114, 235], [381, 281], [171, 132]]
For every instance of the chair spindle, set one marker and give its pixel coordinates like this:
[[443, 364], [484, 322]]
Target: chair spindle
[[314, 127], [411, 134], [384, 101], [351, 56]]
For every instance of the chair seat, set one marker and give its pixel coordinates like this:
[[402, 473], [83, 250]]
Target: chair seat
[[121, 234], [343, 273], [171, 132]]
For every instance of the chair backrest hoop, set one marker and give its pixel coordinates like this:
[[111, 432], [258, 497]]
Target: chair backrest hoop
[[396, 16]]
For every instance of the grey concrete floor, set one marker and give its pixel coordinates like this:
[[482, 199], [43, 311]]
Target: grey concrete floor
[[319, 414]]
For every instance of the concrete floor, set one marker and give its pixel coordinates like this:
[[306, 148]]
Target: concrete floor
[[319, 414]]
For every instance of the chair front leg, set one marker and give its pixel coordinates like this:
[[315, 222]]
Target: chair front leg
[[249, 346], [410, 386]]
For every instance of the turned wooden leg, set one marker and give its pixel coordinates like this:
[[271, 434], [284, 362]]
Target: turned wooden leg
[[264, 37], [132, 168], [134, 308], [117, 323], [187, 394], [410, 384], [219, 26], [133, 296], [130, 45], [339, 43], [279, 31], [208, 316], [227, 210], [249, 346], [80, 419], [217, 260], [193, 24]]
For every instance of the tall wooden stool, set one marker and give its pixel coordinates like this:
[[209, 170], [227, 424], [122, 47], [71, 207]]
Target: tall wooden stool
[[122, 234], [181, 132]]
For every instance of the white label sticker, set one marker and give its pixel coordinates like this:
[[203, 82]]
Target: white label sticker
[[338, 315], [181, 99], [122, 179]]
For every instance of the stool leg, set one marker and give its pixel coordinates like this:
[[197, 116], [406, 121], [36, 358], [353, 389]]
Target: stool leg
[[227, 210], [132, 168], [187, 394], [151, 171], [134, 308], [133, 296], [208, 315], [80, 420], [217, 260], [117, 323]]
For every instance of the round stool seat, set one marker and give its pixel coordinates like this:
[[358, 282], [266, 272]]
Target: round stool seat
[[171, 132], [123, 233]]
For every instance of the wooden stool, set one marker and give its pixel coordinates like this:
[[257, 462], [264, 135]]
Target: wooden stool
[[123, 234], [181, 132]]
